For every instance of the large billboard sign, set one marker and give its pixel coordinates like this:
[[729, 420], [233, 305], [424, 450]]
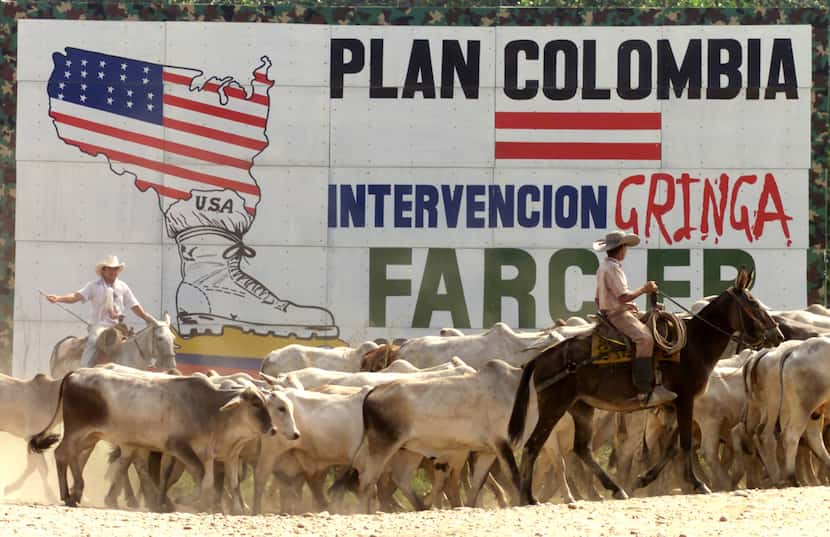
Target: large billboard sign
[[270, 184]]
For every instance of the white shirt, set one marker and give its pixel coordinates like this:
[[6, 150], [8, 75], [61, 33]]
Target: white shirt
[[97, 292]]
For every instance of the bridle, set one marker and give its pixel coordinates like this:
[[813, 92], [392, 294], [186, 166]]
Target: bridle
[[154, 351], [742, 311]]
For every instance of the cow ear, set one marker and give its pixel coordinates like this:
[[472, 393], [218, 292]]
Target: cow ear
[[268, 378], [233, 403], [166, 318]]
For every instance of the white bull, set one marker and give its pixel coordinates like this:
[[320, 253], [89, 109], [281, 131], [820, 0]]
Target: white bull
[[294, 357]]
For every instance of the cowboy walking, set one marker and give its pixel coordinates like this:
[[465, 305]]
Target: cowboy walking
[[110, 298], [615, 301]]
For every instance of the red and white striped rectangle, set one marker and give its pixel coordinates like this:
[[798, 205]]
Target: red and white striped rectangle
[[573, 138]]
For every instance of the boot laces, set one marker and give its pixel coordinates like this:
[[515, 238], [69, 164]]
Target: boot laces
[[234, 254]]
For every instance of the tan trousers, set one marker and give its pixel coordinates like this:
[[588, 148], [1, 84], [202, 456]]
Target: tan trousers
[[628, 323]]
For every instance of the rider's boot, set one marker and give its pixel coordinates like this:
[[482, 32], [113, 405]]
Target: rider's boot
[[649, 395]]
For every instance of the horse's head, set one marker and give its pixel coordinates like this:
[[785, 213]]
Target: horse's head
[[748, 316], [163, 343]]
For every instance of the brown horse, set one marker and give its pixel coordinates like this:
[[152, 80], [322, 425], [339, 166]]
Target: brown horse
[[566, 382]]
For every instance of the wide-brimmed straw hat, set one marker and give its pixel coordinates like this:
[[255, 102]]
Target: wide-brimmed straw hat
[[109, 261], [614, 239]]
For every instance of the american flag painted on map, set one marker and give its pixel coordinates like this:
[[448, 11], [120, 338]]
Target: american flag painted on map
[[155, 123], [578, 136]]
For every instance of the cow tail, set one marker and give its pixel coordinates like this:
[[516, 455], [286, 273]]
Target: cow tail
[[517, 417], [351, 479], [114, 455], [43, 441], [777, 429]]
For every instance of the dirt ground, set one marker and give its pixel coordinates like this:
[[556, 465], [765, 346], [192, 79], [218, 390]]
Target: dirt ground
[[764, 513], [761, 513]]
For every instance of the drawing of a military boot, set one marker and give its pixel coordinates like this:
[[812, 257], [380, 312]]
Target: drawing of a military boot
[[215, 290]]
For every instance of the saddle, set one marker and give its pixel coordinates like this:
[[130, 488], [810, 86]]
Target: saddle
[[609, 346]]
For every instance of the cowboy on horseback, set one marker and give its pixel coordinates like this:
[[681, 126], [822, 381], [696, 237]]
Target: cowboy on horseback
[[615, 302], [109, 297]]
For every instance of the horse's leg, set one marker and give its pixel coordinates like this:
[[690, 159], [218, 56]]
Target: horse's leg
[[583, 416], [684, 426], [552, 404]]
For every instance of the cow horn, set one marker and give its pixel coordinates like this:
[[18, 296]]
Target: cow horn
[[751, 283]]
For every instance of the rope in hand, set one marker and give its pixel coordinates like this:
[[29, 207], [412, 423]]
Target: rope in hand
[[673, 336]]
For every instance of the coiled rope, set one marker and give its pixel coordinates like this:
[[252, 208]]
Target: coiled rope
[[669, 331]]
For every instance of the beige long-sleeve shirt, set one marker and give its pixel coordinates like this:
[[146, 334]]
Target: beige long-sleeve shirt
[[611, 284]]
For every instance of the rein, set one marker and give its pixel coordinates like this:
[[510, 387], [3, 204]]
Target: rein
[[707, 322], [140, 350]]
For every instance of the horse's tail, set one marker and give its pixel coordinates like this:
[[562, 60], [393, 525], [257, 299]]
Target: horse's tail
[[43, 441], [517, 417]]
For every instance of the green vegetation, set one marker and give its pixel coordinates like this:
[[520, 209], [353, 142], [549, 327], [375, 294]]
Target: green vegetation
[[584, 4]]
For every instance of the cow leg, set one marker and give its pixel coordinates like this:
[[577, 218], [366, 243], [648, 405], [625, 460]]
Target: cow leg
[[482, 471], [77, 464], [119, 478], [710, 445], [32, 463], [316, 484], [815, 440], [402, 466], [263, 472], [62, 455], [370, 461], [207, 486], [198, 469], [232, 468], [447, 479], [793, 427], [583, 416], [651, 474], [43, 471]]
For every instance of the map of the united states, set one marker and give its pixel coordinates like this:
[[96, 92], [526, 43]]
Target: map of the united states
[[169, 128]]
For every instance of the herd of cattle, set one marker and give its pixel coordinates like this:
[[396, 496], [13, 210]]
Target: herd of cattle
[[446, 401]]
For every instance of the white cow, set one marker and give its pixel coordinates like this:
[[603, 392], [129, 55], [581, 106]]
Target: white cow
[[26, 407], [717, 411], [500, 342], [792, 389], [312, 377], [294, 357], [441, 416]]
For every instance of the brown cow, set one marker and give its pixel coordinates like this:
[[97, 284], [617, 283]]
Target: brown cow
[[379, 358]]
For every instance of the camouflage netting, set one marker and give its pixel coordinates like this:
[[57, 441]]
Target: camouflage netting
[[435, 12]]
